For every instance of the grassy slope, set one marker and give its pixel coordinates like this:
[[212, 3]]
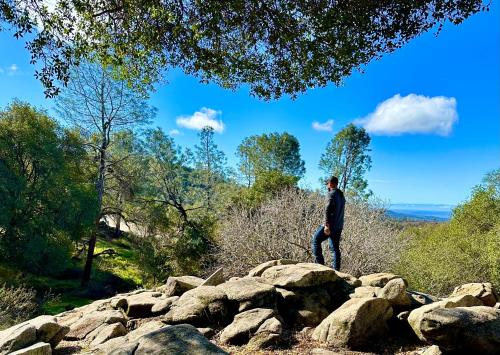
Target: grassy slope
[[111, 274]]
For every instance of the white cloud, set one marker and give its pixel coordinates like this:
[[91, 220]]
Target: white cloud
[[12, 69], [174, 132], [412, 114], [203, 118], [325, 126]]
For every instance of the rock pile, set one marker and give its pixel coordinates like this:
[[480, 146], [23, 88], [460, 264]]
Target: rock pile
[[36, 336], [189, 315]]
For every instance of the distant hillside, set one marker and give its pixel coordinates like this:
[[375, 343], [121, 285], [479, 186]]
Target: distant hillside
[[420, 212]]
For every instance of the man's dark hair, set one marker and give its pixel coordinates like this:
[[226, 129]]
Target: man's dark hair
[[334, 180]]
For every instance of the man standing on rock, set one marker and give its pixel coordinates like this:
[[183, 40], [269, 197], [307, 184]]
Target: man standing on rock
[[334, 222]]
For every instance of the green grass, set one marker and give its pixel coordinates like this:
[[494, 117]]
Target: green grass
[[64, 303], [111, 273], [124, 264]]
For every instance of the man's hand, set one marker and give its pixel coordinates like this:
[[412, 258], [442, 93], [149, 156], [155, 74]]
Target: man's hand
[[327, 229]]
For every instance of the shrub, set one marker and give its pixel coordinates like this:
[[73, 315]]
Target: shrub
[[46, 198], [283, 225], [441, 257], [467, 249], [169, 246], [17, 304]]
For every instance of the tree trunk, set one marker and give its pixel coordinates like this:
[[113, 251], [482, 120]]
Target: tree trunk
[[90, 258], [118, 217], [100, 192], [118, 223]]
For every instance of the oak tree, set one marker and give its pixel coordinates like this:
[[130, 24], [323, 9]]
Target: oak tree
[[275, 47]]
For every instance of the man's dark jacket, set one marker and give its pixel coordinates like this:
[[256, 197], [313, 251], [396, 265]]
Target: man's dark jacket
[[334, 212]]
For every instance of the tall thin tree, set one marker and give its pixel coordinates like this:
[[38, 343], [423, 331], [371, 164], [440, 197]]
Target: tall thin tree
[[210, 161], [98, 105]]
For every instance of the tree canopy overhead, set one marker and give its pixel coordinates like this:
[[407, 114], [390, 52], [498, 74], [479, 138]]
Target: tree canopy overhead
[[276, 47]]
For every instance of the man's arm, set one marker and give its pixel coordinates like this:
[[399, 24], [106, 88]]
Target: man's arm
[[329, 209]]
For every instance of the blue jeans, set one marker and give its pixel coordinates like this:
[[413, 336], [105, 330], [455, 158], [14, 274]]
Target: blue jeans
[[334, 242]]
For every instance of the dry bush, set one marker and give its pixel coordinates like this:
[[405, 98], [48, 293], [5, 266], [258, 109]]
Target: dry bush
[[283, 226], [16, 305]]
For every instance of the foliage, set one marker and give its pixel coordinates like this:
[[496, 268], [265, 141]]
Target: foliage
[[275, 48], [283, 225], [125, 175], [492, 180], [266, 185], [98, 105], [176, 228], [467, 249], [346, 157], [17, 304], [167, 245], [47, 200], [268, 163], [210, 163], [169, 181], [274, 152]]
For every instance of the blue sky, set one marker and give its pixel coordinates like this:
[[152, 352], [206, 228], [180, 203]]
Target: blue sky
[[431, 144]]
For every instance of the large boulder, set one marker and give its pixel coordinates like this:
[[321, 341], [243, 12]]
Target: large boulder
[[89, 323], [108, 331], [299, 275], [17, 337], [259, 269], [483, 291], [271, 325], [119, 302], [308, 306], [140, 305], [394, 291], [216, 278], [130, 338], [268, 334], [419, 299], [42, 329], [47, 328], [202, 306], [355, 323], [176, 286], [244, 325], [467, 330], [377, 280], [365, 292], [177, 340], [351, 280], [69, 317], [173, 340], [163, 305], [249, 292], [35, 349], [207, 332], [305, 306], [416, 317]]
